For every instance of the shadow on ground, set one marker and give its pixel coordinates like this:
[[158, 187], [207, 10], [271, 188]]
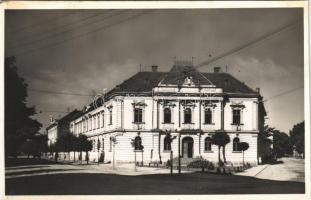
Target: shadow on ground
[[108, 184]]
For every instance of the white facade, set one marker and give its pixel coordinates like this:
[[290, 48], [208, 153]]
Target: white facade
[[52, 134], [116, 120]]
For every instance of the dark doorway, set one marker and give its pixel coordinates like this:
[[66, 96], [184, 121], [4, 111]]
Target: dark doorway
[[187, 147]]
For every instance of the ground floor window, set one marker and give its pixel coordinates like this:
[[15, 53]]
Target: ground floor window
[[167, 143], [208, 144], [236, 144]]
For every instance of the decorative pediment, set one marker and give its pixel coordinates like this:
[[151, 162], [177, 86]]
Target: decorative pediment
[[137, 103], [188, 81], [188, 104], [237, 104], [167, 103]]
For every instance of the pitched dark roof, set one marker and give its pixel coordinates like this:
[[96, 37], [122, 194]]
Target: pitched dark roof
[[143, 82], [140, 82], [178, 74], [67, 118], [228, 83], [70, 116]]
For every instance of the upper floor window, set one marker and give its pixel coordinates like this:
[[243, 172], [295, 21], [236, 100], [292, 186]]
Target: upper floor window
[[138, 115], [167, 115], [103, 119], [110, 116], [167, 143], [138, 143], [208, 116], [208, 144], [236, 117], [98, 120], [187, 116], [236, 144]]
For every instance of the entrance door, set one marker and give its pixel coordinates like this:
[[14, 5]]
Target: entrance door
[[187, 147]]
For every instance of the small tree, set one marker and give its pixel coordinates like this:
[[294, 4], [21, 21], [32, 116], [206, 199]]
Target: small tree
[[85, 145], [221, 139], [243, 146]]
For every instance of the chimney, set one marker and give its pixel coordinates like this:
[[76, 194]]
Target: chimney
[[258, 90], [154, 68], [217, 69]]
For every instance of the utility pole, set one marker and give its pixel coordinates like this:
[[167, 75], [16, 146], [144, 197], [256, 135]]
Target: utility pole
[[179, 171]]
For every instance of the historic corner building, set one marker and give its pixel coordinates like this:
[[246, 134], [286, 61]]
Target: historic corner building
[[142, 115]]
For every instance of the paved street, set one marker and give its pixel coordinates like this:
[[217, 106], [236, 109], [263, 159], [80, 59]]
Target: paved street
[[286, 169], [51, 178]]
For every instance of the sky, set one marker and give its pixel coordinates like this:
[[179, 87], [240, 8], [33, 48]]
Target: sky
[[85, 51]]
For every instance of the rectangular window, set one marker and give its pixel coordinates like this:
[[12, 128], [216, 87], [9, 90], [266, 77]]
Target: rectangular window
[[138, 114], [110, 144], [187, 116], [110, 117], [103, 144], [236, 117], [103, 119], [94, 123], [208, 116], [98, 121]]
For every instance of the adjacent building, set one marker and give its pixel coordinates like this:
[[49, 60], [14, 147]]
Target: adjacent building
[[60, 126], [153, 113]]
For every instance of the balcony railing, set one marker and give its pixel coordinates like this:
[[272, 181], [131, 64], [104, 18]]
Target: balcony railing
[[138, 125], [168, 126], [188, 126], [208, 126], [237, 127]]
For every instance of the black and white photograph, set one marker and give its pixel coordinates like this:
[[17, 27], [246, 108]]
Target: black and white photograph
[[155, 101]]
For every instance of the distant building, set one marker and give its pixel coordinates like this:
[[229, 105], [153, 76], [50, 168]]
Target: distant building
[[151, 107], [60, 126]]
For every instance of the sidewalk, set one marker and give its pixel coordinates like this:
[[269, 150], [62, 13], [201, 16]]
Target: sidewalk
[[288, 169]]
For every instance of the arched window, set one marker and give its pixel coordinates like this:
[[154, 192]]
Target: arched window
[[167, 143], [208, 116], [208, 144], [236, 144], [167, 115], [137, 143], [138, 115], [187, 116]]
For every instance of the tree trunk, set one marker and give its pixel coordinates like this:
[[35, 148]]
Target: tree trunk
[[74, 156], [218, 154], [224, 154], [243, 158]]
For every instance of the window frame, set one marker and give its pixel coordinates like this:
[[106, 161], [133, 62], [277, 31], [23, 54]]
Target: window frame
[[235, 144], [208, 140], [186, 119], [138, 115], [167, 115], [236, 116], [206, 111], [167, 143]]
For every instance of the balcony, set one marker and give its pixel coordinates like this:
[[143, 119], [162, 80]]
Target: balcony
[[188, 126], [138, 125], [237, 127], [168, 126], [208, 126]]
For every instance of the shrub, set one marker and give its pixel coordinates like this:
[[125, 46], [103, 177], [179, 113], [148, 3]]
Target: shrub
[[202, 163]]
